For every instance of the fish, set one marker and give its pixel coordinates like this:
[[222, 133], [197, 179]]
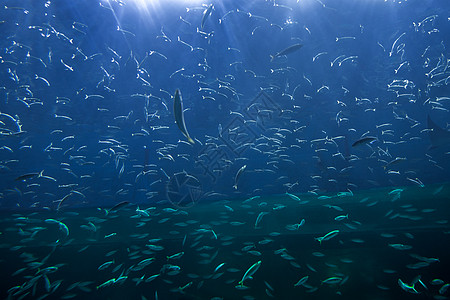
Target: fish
[[206, 14], [238, 175], [406, 287], [117, 206], [364, 140], [293, 197], [63, 227], [332, 280], [27, 176], [175, 256], [145, 262], [394, 161], [327, 236], [249, 273], [179, 115], [105, 265], [439, 137], [341, 217], [302, 281], [259, 218], [107, 283], [286, 51], [400, 246], [218, 267]]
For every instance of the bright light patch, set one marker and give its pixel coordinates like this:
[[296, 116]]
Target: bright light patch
[[149, 4]]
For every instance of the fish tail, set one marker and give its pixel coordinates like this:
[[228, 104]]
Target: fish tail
[[235, 186], [190, 140], [272, 57]]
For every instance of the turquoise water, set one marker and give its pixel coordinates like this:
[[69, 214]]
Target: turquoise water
[[389, 234]]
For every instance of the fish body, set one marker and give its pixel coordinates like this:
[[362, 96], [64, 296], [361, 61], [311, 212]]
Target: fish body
[[286, 51], [145, 262], [118, 206], [394, 161], [27, 176], [327, 236], [400, 246], [332, 280], [107, 283], [248, 274], [238, 175], [218, 267], [105, 265], [175, 256], [341, 217], [293, 197], [259, 218], [302, 281], [407, 287], [206, 14], [364, 140], [179, 115]]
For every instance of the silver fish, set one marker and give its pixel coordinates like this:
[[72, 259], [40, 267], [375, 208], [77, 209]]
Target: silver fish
[[252, 270], [179, 115], [238, 175], [206, 14], [364, 140], [286, 51]]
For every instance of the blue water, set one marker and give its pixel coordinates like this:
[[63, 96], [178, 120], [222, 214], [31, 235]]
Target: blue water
[[87, 129]]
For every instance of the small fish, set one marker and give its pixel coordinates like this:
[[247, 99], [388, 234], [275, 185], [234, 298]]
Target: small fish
[[400, 246], [218, 267], [327, 236], [394, 161], [341, 217], [259, 218], [286, 51], [332, 280], [206, 14], [238, 175], [249, 273], [364, 140], [175, 256], [302, 281], [145, 262], [406, 287], [179, 115], [220, 129], [293, 197], [105, 265], [181, 288], [107, 283], [63, 227], [27, 176], [117, 206]]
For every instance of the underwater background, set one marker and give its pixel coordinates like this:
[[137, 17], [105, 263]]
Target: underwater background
[[224, 149]]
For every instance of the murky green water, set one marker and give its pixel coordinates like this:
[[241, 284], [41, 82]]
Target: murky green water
[[388, 235]]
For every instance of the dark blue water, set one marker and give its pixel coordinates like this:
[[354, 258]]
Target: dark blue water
[[359, 107]]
